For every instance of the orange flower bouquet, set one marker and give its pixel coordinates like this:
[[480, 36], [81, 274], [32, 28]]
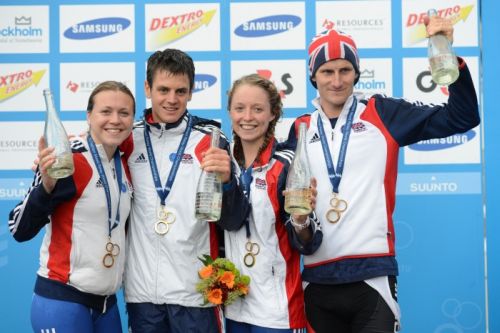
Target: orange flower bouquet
[[220, 281]]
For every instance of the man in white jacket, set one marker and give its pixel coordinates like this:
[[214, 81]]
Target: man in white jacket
[[166, 154], [353, 146]]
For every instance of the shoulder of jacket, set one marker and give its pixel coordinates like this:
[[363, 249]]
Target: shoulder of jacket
[[139, 124], [206, 126], [283, 154], [303, 118], [77, 145]]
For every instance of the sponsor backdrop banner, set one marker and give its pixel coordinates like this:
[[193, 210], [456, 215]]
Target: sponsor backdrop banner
[[71, 46]]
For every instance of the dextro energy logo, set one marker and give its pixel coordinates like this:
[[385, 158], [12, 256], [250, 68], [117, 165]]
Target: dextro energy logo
[[444, 143], [21, 28], [415, 21], [15, 83], [269, 25], [203, 81], [97, 28], [165, 30]]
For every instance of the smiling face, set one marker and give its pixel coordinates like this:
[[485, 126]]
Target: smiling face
[[250, 113], [111, 118], [169, 94], [335, 82]]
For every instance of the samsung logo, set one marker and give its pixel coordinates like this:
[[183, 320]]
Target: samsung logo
[[203, 81], [443, 143], [97, 28], [269, 25]]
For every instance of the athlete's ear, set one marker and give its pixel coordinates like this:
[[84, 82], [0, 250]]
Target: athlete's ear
[[147, 89]]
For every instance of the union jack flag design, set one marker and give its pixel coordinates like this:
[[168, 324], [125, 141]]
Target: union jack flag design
[[329, 45]]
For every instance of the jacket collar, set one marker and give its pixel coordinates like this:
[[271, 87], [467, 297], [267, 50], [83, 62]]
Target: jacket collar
[[148, 117], [160, 128]]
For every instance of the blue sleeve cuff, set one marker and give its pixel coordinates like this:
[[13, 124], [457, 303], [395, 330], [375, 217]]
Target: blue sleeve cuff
[[229, 186]]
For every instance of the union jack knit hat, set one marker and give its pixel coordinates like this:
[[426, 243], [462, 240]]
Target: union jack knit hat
[[330, 45]]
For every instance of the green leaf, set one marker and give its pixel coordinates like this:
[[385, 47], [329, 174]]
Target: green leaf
[[206, 260]]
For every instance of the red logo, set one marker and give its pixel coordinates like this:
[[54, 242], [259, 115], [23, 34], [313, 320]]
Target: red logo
[[72, 86]]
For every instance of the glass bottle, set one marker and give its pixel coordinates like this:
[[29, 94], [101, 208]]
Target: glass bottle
[[209, 190], [298, 181], [55, 136], [442, 59]]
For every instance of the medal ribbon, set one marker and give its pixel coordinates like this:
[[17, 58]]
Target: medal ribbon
[[335, 177], [163, 192], [104, 181], [246, 180], [252, 249]]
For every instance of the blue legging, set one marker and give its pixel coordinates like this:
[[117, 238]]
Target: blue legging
[[52, 315]]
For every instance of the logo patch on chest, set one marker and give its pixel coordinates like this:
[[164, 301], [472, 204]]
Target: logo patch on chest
[[141, 159], [358, 127], [315, 138], [260, 183], [186, 158]]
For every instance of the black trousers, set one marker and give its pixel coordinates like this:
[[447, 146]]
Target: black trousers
[[348, 308]]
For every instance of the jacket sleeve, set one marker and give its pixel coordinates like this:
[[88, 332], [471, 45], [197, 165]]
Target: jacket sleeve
[[235, 205], [311, 246], [412, 122], [33, 213]]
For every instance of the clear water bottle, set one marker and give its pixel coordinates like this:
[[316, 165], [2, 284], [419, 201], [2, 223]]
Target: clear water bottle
[[442, 59], [56, 136], [209, 191], [298, 181]]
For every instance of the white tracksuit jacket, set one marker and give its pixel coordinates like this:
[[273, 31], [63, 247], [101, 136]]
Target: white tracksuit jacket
[[76, 218], [275, 297], [163, 269]]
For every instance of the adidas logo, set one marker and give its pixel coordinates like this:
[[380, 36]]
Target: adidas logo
[[315, 138], [99, 184], [141, 159]]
